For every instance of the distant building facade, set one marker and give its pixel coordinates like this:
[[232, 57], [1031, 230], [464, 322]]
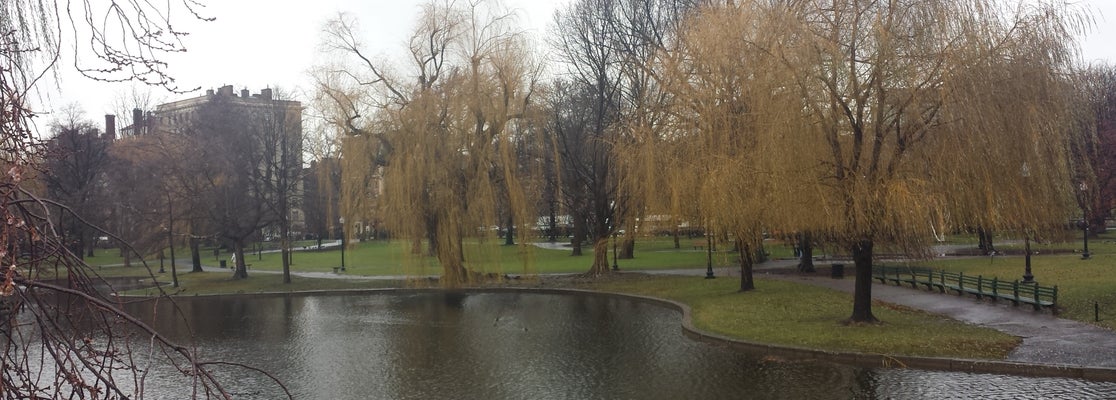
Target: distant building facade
[[278, 123]]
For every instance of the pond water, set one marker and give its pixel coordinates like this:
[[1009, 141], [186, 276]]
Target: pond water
[[525, 346]]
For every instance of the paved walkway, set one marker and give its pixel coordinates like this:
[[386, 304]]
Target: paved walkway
[[1046, 338]]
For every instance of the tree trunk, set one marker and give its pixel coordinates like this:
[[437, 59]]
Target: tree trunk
[[509, 236], [627, 248], [240, 268], [195, 254], [578, 234], [285, 251], [451, 254], [805, 253], [600, 257], [862, 296], [985, 239], [91, 245], [454, 273], [1097, 224], [553, 224], [677, 240], [747, 281], [760, 252]]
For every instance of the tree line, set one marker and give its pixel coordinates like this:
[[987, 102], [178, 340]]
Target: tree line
[[861, 125]]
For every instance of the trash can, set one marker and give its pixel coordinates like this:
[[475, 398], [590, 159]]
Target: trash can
[[223, 264], [838, 271]]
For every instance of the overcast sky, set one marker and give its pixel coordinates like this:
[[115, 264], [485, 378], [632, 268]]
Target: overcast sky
[[272, 43]]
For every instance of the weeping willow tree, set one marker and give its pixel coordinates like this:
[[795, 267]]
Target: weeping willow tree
[[936, 113], [876, 122], [702, 164], [443, 130]]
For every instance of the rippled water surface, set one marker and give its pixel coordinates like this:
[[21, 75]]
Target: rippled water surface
[[526, 346]]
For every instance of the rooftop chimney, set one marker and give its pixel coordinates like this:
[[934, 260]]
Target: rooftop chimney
[[266, 94], [110, 126], [226, 90], [244, 93], [137, 122]]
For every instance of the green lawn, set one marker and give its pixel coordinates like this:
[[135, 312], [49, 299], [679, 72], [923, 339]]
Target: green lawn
[[203, 283], [1081, 283], [777, 312], [377, 258], [394, 258], [791, 314]]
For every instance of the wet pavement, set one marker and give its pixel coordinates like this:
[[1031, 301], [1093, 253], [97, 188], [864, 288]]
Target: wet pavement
[[1046, 339]]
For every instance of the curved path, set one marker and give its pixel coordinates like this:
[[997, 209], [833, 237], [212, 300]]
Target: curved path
[[1046, 339]]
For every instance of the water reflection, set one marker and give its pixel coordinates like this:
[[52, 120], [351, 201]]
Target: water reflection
[[527, 346]]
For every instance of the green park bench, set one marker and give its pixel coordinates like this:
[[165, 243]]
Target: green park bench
[[991, 288]]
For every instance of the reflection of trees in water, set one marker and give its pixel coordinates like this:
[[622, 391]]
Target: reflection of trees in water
[[526, 345], [68, 339]]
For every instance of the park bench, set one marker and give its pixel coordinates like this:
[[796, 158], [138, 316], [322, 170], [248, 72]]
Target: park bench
[[991, 288], [699, 244]]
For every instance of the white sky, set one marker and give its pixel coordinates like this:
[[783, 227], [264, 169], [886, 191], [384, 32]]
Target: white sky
[[273, 43], [255, 44]]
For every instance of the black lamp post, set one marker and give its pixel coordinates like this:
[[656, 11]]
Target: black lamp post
[[342, 221], [1085, 221], [615, 266], [161, 255], [1085, 238], [1027, 277], [170, 241], [708, 256]]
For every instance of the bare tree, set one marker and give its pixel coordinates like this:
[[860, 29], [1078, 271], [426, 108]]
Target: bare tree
[[608, 47], [704, 154], [1096, 175], [71, 340], [76, 164], [586, 125], [279, 127]]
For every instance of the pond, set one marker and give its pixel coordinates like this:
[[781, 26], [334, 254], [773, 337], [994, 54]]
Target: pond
[[437, 345]]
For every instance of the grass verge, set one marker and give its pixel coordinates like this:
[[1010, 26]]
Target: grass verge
[[791, 314], [210, 283]]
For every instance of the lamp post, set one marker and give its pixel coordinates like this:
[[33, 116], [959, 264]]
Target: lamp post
[[709, 255], [170, 240], [1027, 277], [1085, 221], [342, 221], [1085, 239], [615, 266]]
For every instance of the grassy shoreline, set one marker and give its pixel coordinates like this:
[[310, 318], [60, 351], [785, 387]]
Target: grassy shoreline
[[778, 312]]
